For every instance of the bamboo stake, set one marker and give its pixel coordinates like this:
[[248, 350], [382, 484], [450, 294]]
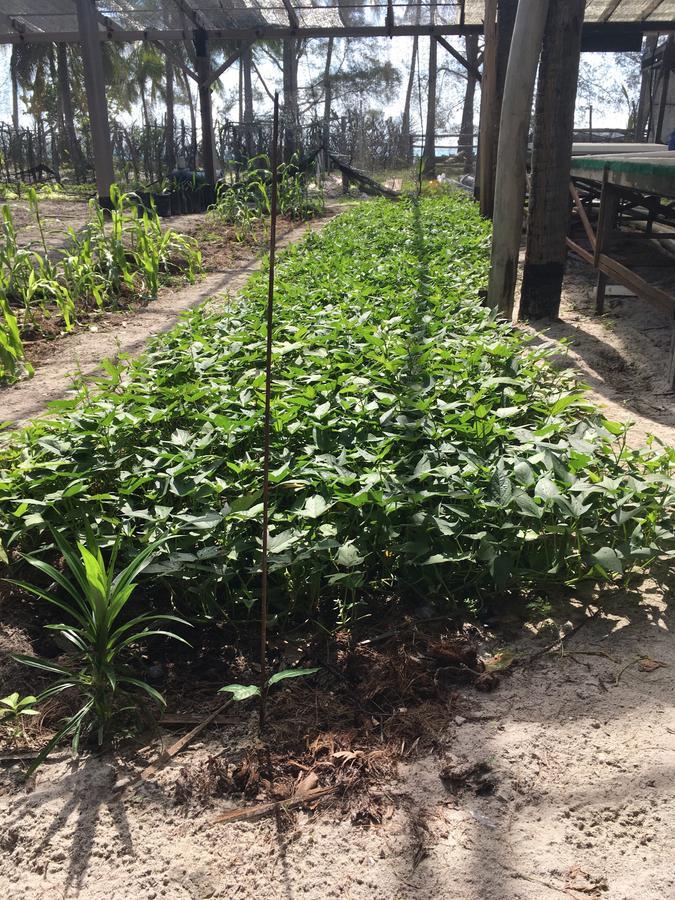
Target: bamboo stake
[[267, 418]]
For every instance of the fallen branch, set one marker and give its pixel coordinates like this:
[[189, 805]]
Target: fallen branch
[[172, 751], [547, 884], [29, 756], [248, 813], [174, 721], [405, 626], [558, 642], [646, 664]]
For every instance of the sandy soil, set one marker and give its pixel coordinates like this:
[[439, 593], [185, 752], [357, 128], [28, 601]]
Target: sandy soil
[[622, 355], [57, 217], [579, 750]]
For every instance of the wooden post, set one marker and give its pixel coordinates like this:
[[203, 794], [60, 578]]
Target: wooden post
[[528, 34], [203, 74], [548, 207], [429, 151], [609, 208], [466, 130], [87, 18], [498, 27], [644, 106], [487, 146], [667, 63], [290, 113]]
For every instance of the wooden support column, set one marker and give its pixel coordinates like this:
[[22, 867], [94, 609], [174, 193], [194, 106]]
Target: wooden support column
[[290, 111], [512, 152], [498, 24], [609, 208], [87, 18], [667, 62], [205, 108], [548, 207], [429, 149], [487, 147]]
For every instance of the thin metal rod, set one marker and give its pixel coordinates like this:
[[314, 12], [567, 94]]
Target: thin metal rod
[[268, 415]]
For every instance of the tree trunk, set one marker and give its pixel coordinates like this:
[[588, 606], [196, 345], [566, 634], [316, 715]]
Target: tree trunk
[[77, 160], [290, 68], [466, 131], [548, 219], [57, 122], [404, 150], [187, 87], [170, 129], [246, 62], [429, 151], [15, 90], [327, 100]]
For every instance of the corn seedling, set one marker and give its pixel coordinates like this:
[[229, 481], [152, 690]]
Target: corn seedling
[[126, 254]]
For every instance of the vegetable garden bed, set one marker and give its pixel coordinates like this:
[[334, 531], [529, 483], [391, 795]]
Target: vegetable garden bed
[[420, 448]]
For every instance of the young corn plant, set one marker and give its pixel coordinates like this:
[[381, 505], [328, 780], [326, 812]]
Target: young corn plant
[[93, 597], [11, 345]]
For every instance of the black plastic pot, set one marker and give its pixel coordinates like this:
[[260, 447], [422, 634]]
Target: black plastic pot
[[208, 195], [143, 199], [177, 203], [193, 201], [162, 204]]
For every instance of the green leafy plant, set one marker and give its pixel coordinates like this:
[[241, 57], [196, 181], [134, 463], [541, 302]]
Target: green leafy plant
[[246, 691], [13, 710], [93, 598], [421, 448], [14, 706]]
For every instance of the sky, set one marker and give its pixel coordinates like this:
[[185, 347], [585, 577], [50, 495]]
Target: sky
[[398, 50]]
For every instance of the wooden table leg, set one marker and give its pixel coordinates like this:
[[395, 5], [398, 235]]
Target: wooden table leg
[[609, 208], [670, 383], [600, 288]]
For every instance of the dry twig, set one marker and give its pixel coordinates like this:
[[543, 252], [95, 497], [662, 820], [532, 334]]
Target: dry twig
[[172, 751]]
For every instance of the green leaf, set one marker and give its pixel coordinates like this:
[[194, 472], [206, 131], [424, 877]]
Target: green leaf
[[290, 673], [609, 560], [348, 556], [240, 691], [314, 507]]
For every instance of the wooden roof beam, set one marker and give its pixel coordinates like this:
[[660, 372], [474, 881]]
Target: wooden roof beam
[[215, 75], [192, 14], [176, 60], [609, 10], [292, 15], [471, 69], [21, 26], [653, 6]]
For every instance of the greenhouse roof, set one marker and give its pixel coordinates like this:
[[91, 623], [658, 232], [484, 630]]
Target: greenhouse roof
[[129, 20]]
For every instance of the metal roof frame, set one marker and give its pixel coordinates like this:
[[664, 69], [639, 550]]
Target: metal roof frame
[[177, 20]]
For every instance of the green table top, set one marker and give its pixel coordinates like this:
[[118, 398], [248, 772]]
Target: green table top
[[652, 173]]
